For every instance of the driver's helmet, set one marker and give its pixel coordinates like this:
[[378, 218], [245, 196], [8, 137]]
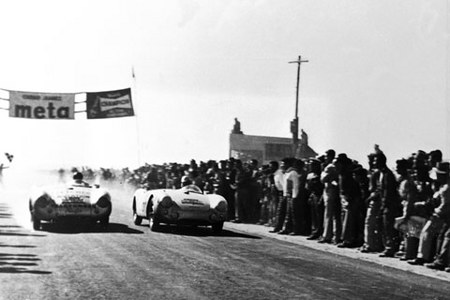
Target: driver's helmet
[[185, 181], [77, 176]]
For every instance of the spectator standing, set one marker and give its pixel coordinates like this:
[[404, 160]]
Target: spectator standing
[[315, 199], [242, 181], [348, 191], [276, 190], [372, 224], [223, 186], [279, 179], [255, 191], [390, 205], [332, 207], [265, 181], [292, 183], [361, 177]]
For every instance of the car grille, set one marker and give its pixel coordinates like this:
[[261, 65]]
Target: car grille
[[73, 204]]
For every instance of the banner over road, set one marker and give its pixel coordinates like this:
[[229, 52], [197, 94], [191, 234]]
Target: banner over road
[[112, 104], [31, 105]]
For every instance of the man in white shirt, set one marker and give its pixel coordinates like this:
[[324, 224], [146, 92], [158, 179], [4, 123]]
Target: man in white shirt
[[279, 182]]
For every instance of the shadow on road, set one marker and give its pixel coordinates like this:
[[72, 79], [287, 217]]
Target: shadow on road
[[201, 231], [18, 263], [22, 270], [16, 233], [6, 215], [75, 228], [2, 245]]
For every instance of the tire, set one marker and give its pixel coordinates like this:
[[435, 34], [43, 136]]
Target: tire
[[104, 222], [217, 228], [137, 220], [36, 222], [152, 224]]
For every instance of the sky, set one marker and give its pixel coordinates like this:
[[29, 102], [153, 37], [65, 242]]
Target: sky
[[378, 73]]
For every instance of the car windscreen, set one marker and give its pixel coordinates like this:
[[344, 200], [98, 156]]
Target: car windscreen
[[192, 189]]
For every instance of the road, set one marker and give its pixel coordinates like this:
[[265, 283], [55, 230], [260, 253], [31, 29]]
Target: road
[[131, 262]]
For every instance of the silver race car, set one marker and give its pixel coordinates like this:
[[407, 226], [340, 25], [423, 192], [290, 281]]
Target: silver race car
[[185, 206], [68, 201]]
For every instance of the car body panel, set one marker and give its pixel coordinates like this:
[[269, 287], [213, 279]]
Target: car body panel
[[69, 200], [188, 206]]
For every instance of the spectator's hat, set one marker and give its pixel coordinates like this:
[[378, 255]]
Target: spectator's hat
[[435, 155], [403, 163], [330, 152], [343, 159]]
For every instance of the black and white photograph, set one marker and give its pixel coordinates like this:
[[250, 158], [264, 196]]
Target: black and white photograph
[[225, 149]]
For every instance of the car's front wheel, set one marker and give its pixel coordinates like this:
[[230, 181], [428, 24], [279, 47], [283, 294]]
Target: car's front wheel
[[153, 224], [137, 220], [36, 222], [217, 228], [104, 222]]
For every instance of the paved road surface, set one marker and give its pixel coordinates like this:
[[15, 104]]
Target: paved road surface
[[130, 262]]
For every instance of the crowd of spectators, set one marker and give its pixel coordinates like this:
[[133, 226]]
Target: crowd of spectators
[[334, 199]]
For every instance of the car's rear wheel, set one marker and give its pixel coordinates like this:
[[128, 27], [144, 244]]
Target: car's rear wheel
[[36, 222], [217, 228]]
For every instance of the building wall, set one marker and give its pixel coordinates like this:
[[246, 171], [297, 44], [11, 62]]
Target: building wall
[[262, 148]]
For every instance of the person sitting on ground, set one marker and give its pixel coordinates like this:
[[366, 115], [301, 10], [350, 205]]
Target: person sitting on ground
[[441, 216]]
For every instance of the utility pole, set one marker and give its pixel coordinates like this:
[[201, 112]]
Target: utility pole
[[294, 123]]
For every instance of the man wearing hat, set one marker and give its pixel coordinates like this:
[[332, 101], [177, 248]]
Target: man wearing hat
[[441, 215], [348, 190], [315, 200], [384, 205], [332, 224]]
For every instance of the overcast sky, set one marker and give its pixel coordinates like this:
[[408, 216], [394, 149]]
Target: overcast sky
[[378, 72]]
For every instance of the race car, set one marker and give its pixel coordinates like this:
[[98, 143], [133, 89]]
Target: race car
[[77, 200], [185, 206]]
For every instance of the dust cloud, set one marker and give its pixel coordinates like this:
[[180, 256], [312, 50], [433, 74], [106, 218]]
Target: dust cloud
[[16, 185]]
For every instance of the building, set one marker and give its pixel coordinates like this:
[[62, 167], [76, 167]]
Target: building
[[266, 148]]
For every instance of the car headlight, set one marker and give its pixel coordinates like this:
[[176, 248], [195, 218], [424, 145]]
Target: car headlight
[[103, 202], [166, 202], [222, 206], [42, 202]]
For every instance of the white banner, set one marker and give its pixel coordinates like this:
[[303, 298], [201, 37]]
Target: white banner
[[32, 105]]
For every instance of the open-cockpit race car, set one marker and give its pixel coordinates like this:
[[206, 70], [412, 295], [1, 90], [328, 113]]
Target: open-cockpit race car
[[185, 206], [77, 200]]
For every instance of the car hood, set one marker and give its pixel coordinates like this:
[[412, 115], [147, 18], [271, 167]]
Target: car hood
[[190, 201], [73, 194]]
